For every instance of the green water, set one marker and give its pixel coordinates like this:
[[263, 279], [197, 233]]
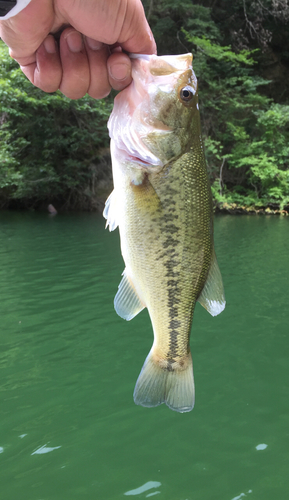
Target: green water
[[68, 364]]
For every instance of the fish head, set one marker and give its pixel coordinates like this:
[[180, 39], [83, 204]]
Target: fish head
[[154, 117]]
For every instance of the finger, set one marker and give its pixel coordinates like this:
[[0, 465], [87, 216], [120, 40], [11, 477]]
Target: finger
[[46, 72], [25, 32], [114, 21], [97, 54], [136, 35], [75, 68], [119, 70]]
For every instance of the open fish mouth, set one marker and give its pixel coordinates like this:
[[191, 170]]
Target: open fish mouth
[[131, 141], [146, 57], [165, 65], [135, 130], [140, 161], [134, 150]]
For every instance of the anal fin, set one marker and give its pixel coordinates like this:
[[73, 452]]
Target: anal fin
[[212, 296], [126, 302]]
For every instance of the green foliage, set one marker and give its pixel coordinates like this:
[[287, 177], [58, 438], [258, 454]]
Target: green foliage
[[250, 132], [169, 18], [220, 53], [245, 132], [265, 154], [48, 142], [50, 146]]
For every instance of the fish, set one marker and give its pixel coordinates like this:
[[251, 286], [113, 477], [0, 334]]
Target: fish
[[162, 205]]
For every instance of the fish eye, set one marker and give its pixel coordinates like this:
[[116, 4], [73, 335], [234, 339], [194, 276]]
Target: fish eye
[[187, 93]]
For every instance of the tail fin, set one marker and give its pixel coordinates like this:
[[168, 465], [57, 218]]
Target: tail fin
[[156, 385]]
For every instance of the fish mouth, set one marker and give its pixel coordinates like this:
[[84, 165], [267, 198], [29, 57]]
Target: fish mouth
[[146, 57], [161, 65], [135, 159], [140, 157]]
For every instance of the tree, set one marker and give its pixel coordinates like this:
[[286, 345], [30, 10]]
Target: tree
[[245, 132], [50, 145]]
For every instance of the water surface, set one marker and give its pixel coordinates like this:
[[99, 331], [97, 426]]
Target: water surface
[[68, 364]]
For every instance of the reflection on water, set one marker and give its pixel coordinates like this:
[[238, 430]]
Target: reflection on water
[[45, 449], [241, 495], [69, 429], [261, 447], [145, 487]]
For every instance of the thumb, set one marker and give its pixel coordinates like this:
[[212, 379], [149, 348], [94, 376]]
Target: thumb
[[136, 35], [120, 22]]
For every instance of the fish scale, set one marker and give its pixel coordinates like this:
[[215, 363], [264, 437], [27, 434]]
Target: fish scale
[[165, 218]]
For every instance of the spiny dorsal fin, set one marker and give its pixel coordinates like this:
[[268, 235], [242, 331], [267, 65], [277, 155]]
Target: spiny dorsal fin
[[212, 297], [110, 212], [126, 302]]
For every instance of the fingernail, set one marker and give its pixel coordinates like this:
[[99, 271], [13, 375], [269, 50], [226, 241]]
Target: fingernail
[[74, 41], [119, 71], [94, 44], [50, 45]]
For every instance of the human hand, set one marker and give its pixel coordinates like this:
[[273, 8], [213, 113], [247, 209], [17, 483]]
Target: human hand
[[89, 57]]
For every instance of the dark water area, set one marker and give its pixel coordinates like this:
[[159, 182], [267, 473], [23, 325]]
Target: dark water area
[[69, 428]]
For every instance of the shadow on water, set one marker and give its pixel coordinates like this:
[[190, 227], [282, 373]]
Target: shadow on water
[[68, 364]]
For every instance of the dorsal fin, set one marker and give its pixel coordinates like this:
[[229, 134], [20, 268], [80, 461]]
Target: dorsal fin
[[212, 296]]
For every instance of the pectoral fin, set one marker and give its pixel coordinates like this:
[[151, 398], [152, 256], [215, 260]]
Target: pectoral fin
[[126, 302], [110, 212], [212, 296]]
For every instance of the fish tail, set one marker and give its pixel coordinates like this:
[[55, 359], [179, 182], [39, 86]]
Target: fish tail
[[173, 385]]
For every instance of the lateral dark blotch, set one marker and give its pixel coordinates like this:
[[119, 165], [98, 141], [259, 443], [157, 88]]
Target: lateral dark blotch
[[169, 242], [175, 323], [173, 283], [171, 191], [168, 204], [173, 312], [172, 274], [172, 228], [173, 302], [170, 265], [170, 217], [173, 296], [173, 344]]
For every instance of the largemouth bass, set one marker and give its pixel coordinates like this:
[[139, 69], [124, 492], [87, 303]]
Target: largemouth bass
[[162, 204]]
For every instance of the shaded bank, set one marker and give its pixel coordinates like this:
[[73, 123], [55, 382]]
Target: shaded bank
[[235, 209]]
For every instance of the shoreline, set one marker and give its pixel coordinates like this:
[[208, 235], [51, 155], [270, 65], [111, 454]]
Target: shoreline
[[235, 209], [97, 204]]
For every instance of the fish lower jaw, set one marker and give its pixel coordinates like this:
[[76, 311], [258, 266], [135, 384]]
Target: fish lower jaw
[[137, 156], [137, 161]]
